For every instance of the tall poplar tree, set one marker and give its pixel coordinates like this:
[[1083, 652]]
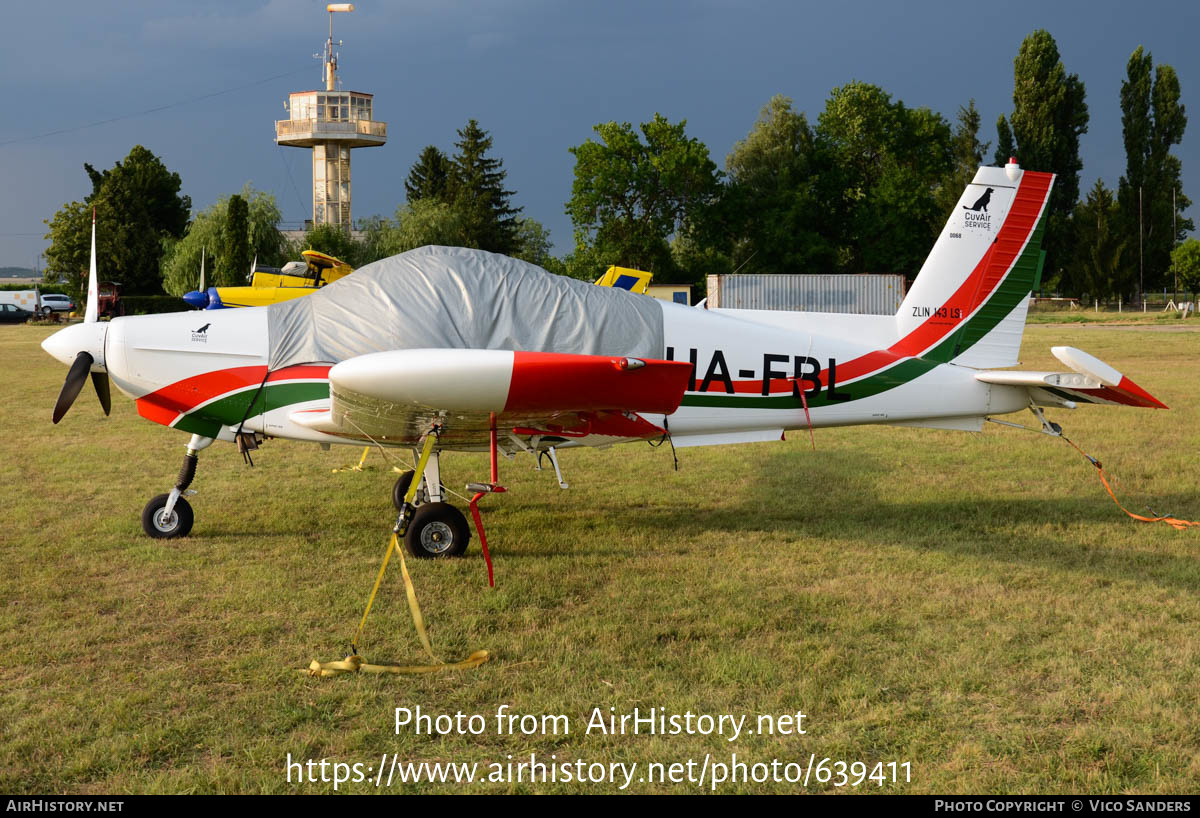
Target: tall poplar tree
[[1152, 121], [233, 257], [1049, 115]]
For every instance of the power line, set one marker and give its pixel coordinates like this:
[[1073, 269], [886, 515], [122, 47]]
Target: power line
[[153, 110]]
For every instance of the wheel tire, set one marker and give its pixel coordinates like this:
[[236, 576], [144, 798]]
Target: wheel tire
[[179, 524], [401, 488], [46, 311], [437, 530]]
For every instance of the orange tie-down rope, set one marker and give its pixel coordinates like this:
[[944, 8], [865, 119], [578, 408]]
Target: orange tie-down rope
[[1174, 522]]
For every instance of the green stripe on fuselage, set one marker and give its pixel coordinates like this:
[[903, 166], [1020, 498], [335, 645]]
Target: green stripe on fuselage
[[889, 378], [231, 409]]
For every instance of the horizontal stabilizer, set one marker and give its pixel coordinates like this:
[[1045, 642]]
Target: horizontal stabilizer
[[1092, 381]]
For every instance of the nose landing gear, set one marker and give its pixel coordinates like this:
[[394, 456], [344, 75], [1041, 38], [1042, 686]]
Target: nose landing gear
[[168, 516]]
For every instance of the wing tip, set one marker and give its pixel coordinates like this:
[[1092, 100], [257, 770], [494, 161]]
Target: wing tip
[[1136, 391]]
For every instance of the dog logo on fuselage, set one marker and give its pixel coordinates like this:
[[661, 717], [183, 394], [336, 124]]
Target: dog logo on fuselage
[[981, 203]]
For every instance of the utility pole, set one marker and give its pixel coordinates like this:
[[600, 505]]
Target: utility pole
[[1141, 261], [1174, 238]]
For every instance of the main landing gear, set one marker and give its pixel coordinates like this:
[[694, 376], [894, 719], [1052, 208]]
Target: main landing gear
[[435, 528], [169, 515]]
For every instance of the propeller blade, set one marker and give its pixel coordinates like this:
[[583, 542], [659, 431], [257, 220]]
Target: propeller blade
[[100, 381], [76, 375]]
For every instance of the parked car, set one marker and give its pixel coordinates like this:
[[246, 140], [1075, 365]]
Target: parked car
[[53, 302], [12, 314]]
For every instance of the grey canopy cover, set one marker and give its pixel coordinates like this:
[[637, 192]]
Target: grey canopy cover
[[452, 297]]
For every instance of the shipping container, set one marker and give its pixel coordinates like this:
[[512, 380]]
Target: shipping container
[[867, 294]]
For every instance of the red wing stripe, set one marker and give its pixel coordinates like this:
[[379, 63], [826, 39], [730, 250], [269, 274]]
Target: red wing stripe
[[555, 382]]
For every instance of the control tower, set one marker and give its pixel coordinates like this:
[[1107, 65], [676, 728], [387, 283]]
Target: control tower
[[331, 122]]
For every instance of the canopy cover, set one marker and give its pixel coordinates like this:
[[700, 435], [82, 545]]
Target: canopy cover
[[455, 298]]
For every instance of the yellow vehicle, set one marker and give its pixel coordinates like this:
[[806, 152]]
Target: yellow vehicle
[[270, 285]]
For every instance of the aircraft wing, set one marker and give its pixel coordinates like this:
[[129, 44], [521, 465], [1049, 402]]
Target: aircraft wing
[[396, 397]]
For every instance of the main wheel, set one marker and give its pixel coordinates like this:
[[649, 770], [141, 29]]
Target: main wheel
[[163, 526], [437, 530], [401, 488]]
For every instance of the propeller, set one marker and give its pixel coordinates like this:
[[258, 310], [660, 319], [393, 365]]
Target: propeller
[[90, 335], [100, 382], [76, 375]]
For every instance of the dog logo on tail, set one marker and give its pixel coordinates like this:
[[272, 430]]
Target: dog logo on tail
[[981, 203]]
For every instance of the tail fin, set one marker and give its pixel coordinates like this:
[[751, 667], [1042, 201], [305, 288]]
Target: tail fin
[[968, 303], [623, 278]]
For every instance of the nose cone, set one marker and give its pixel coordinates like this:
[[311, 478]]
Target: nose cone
[[67, 343], [196, 299]]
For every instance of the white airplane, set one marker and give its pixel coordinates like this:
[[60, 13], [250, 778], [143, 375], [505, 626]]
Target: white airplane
[[447, 349]]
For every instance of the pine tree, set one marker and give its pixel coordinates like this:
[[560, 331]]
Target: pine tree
[[477, 187], [429, 177], [968, 156], [1096, 270]]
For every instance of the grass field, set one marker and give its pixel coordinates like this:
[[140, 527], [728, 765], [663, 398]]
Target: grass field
[[974, 605]]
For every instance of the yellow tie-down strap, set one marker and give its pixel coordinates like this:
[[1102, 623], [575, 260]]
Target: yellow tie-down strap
[[354, 663], [361, 461]]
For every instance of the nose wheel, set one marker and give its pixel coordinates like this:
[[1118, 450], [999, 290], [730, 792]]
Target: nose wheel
[[168, 516], [162, 523]]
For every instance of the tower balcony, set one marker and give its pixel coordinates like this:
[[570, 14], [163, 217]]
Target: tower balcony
[[305, 133]]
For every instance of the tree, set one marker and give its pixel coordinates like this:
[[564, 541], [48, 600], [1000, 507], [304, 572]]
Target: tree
[[1095, 269], [429, 177], [428, 221], [489, 221], [1186, 259], [630, 196], [772, 204], [181, 258], [1150, 193], [533, 243], [137, 208], [333, 241], [233, 255], [888, 162], [1005, 147], [967, 155], [1049, 115], [158, 189]]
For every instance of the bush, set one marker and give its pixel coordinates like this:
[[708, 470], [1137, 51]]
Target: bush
[[146, 304], [46, 288]]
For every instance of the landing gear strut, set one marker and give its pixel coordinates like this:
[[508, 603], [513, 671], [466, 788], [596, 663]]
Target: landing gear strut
[[169, 515], [430, 528]]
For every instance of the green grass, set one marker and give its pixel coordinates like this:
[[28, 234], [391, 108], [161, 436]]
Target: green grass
[[1054, 314], [972, 604]]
